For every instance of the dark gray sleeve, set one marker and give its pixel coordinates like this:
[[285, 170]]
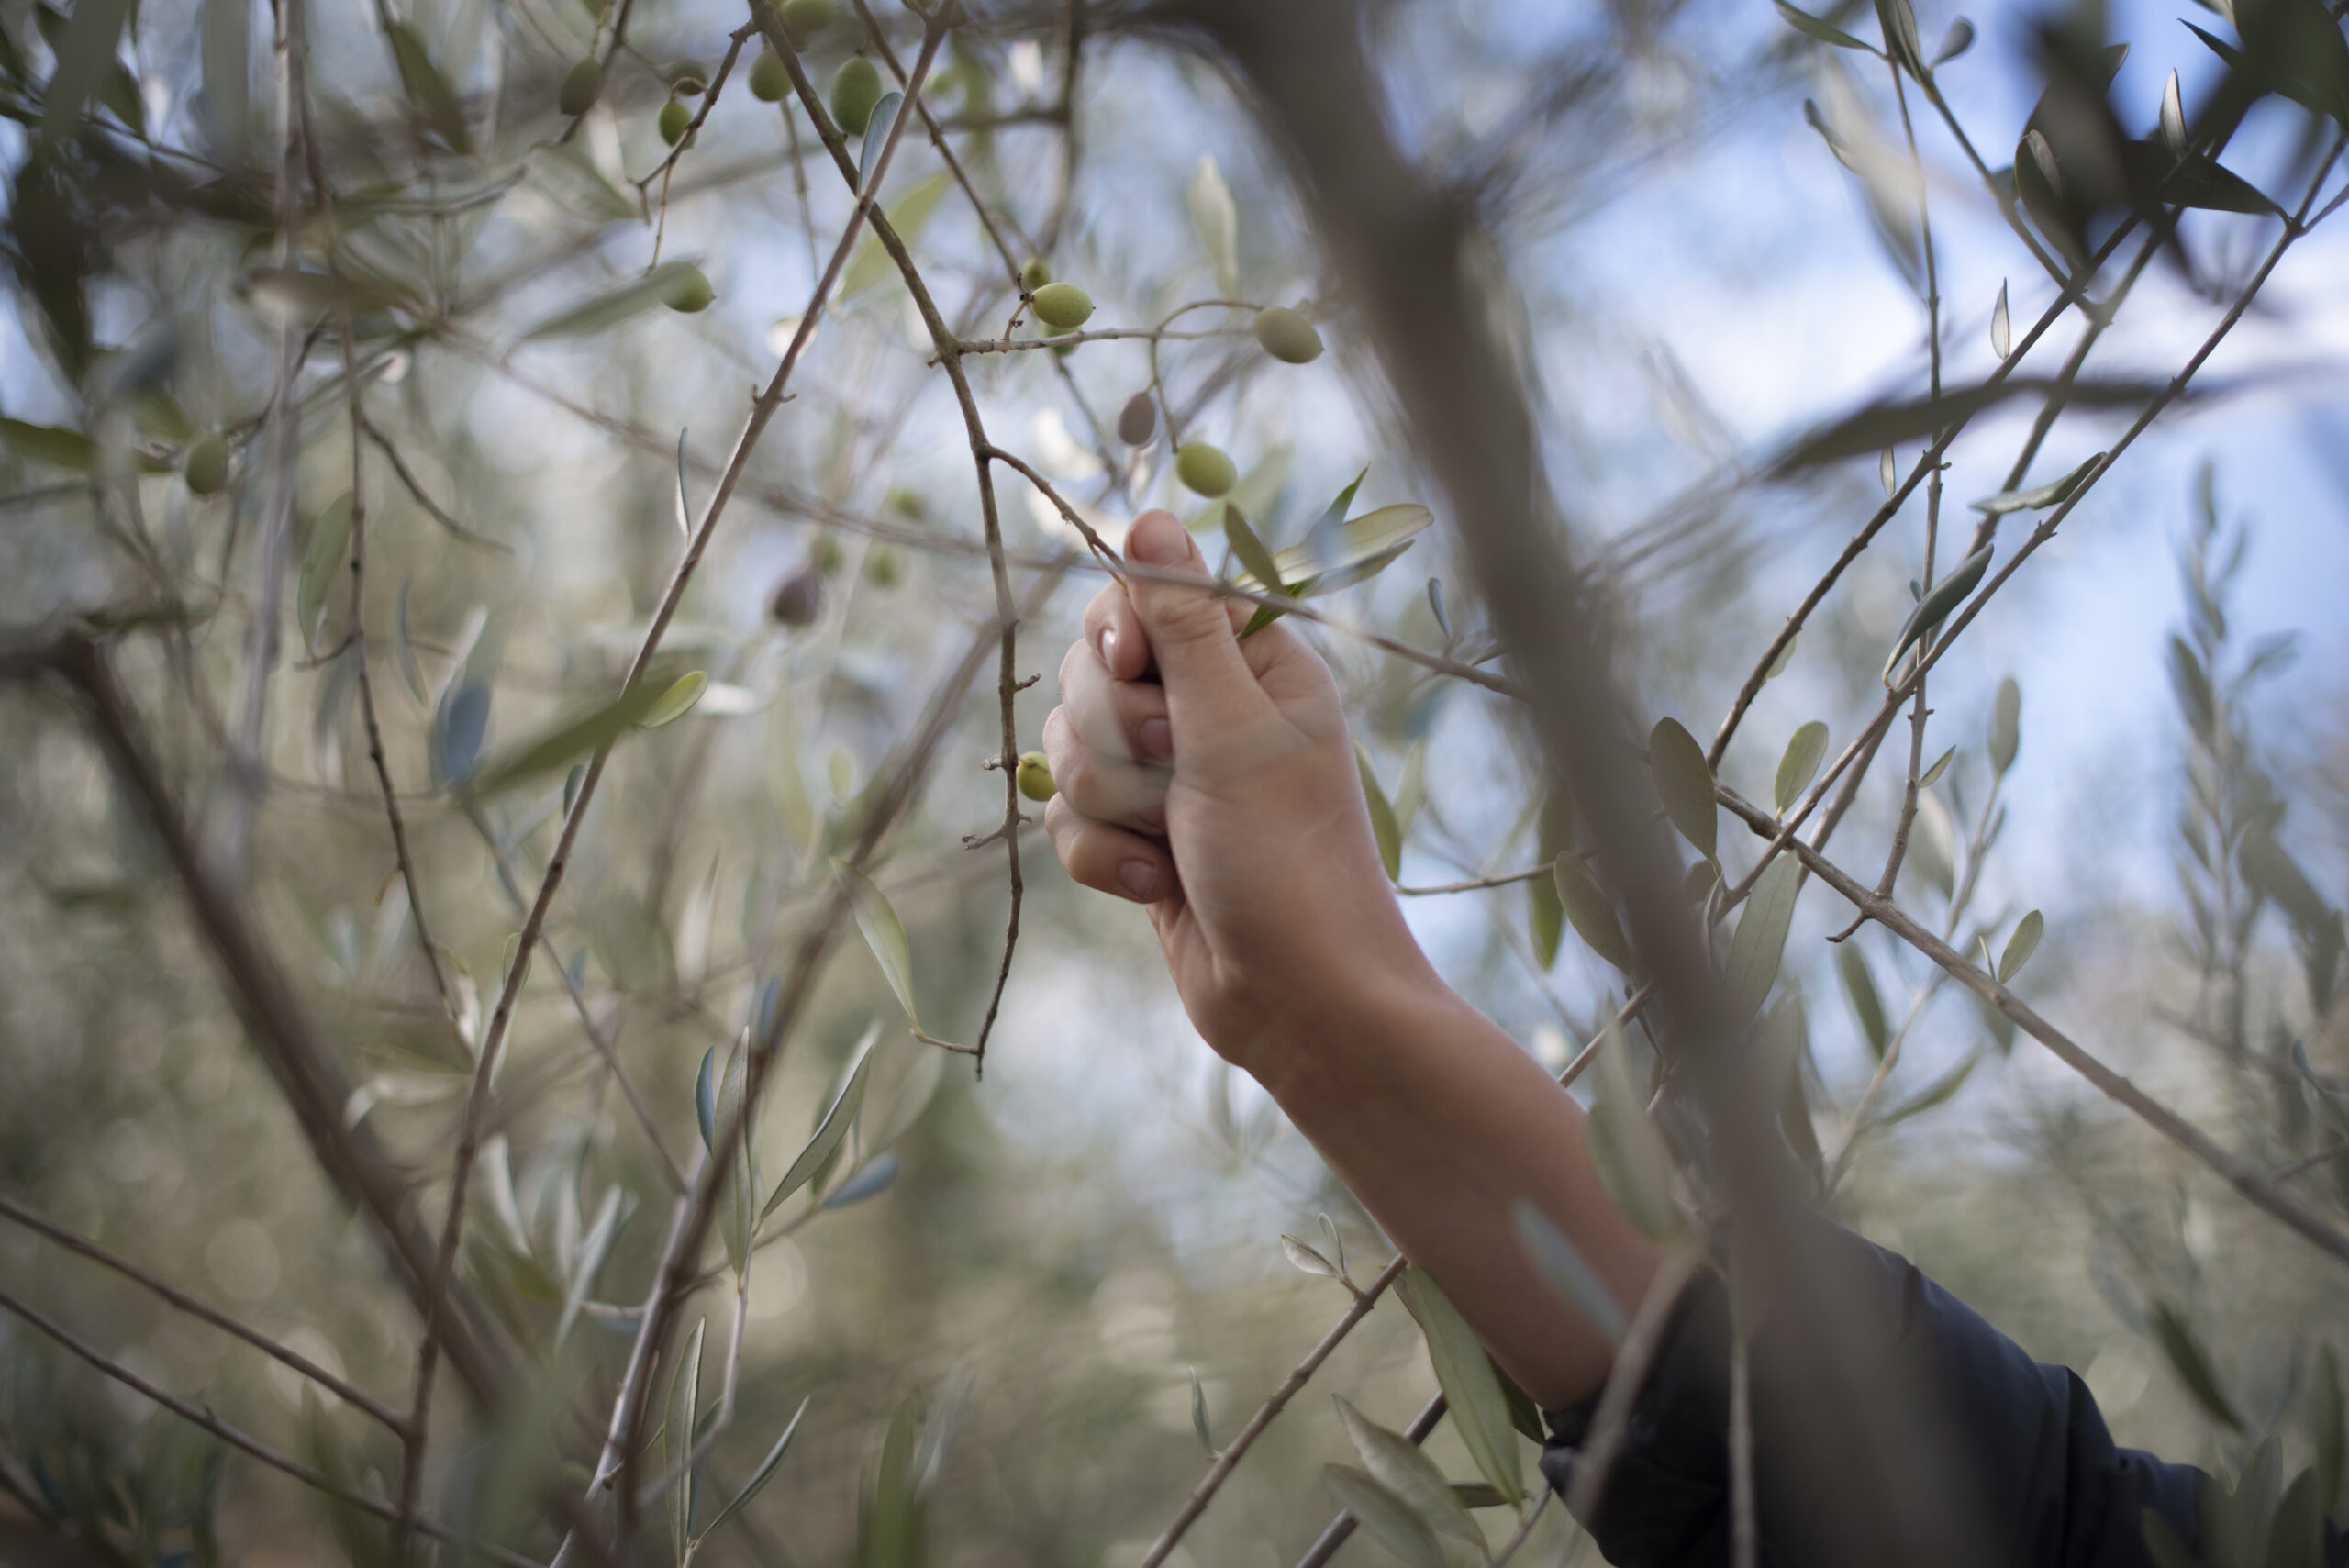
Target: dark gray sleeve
[[2047, 1482]]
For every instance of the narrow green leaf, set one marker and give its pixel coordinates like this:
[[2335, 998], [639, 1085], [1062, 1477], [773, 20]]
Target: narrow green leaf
[[1939, 601], [1524, 1414], [1252, 553], [1685, 780], [573, 182], [829, 1133], [1217, 222], [1466, 1373], [2021, 946], [706, 1098], [2038, 499], [2187, 1359], [759, 1477], [884, 933], [1403, 1468], [576, 738], [613, 305], [1587, 906], [1939, 766], [1561, 1267], [2001, 327], [1383, 825], [85, 58], [1383, 1516], [49, 444], [1760, 941], [684, 1400], [2280, 876], [1889, 424], [739, 1196], [592, 1249], [1901, 40], [1799, 764], [876, 136], [429, 89], [323, 559], [1825, 32], [1939, 1092], [1337, 555], [2006, 726], [908, 215], [1545, 911], [872, 1179], [676, 701], [1306, 1258], [1634, 1165], [1867, 1007], [1478, 1494], [890, 1523], [1199, 1415]]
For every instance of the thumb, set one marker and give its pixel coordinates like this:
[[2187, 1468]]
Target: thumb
[[1206, 676]]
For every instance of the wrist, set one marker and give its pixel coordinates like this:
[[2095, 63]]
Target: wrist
[[1352, 1042]]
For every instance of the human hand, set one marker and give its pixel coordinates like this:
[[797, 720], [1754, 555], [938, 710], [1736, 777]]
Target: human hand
[[1224, 797]]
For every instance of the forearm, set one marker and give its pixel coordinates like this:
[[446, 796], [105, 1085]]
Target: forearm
[[1439, 1123]]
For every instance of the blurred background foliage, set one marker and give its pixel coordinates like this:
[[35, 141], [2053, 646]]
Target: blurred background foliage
[[1025, 1293]]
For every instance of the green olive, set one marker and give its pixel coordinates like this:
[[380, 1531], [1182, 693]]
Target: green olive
[[582, 85], [690, 293], [1205, 469], [1137, 419], [856, 88], [207, 468], [1034, 274], [881, 568], [1287, 336], [1063, 306], [769, 78], [675, 118], [1035, 778], [803, 19]]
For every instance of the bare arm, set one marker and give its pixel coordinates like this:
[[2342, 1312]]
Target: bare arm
[[1224, 798]]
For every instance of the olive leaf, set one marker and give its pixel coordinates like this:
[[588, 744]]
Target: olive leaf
[[429, 89], [1465, 1371], [1825, 32], [1383, 1516], [2041, 497], [1955, 42], [2006, 726], [1545, 911], [576, 738], [224, 49], [49, 444], [1759, 944], [1258, 560], [685, 1398], [573, 182], [676, 700], [1336, 555], [1587, 906], [1939, 1091], [1307, 1258], [2187, 1358], [325, 555], [828, 1131], [1561, 1267], [2021, 946], [759, 1477], [1634, 1165], [1799, 763], [1888, 424], [592, 1249], [1939, 601], [876, 136], [1200, 1414], [1867, 1007], [614, 305], [874, 1177], [884, 933], [1403, 1468], [1382, 824], [1685, 780], [2278, 875], [1940, 765], [1217, 222], [85, 58], [2001, 327]]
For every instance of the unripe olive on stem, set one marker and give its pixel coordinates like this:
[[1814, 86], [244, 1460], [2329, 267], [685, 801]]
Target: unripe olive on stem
[[803, 19], [1063, 306], [1205, 469], [675, 118], [856, 88], [207, 468], [826, 554], [769, 78], [690, 293], [881, 567], [1137, 419], [582, 85], [1287, 336], [798, 598], [1034, 777], [1034, 274]]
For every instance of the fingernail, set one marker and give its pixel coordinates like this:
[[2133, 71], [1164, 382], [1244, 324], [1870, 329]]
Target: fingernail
[[1158, 539], [1140, 878], [1110, 647], [1154, 740]]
